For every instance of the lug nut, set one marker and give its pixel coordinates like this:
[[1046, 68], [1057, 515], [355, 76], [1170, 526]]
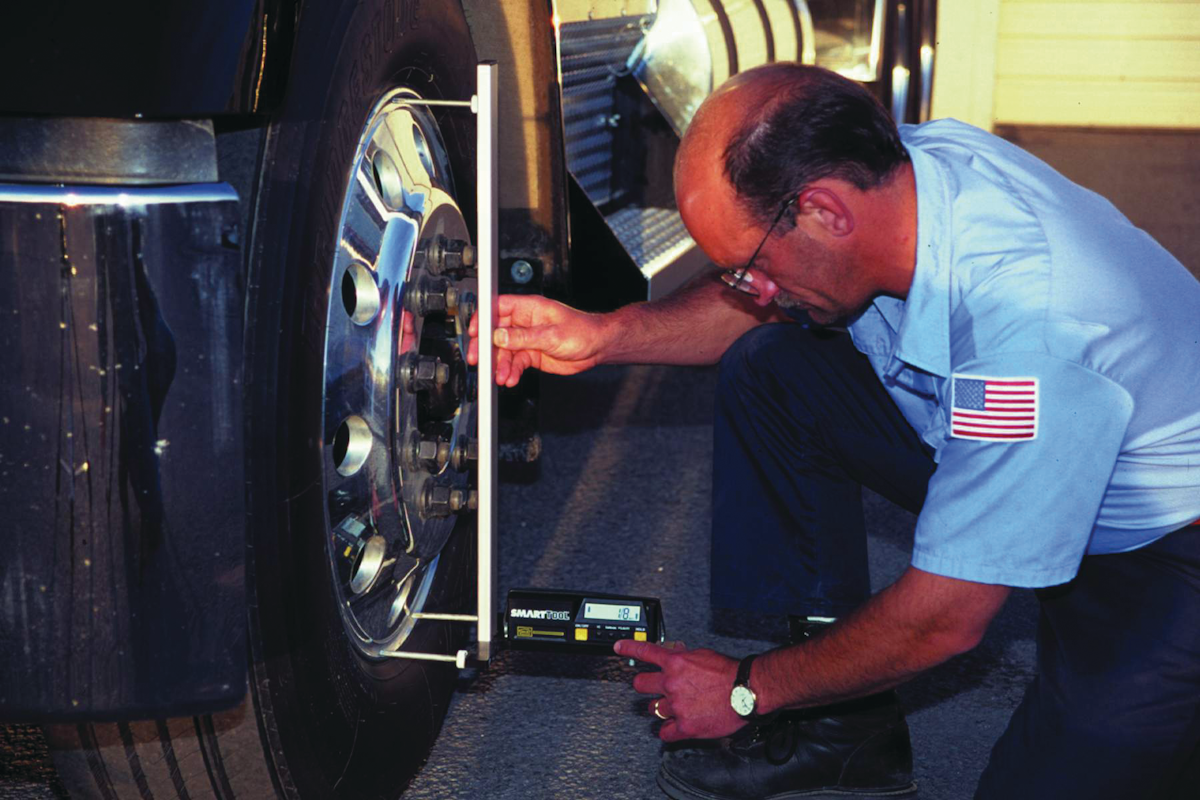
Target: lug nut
[[466, 452], [422, 373], [429, 454], [458, 255], [431, 296], [438, 500], [442, 255], [435, 501]]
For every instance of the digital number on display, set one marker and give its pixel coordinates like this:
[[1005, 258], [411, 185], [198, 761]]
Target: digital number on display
[[612, 611]]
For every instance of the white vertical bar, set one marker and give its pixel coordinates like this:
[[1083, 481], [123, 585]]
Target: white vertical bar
[[488, 249]]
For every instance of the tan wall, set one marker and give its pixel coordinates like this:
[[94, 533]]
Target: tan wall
[[1124, 63]]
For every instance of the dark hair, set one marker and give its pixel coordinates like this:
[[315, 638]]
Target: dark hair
[[819, 125]]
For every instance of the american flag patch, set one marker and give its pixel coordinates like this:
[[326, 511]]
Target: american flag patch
[[994, 409]]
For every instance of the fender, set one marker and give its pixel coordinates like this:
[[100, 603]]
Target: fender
[[165, 60]]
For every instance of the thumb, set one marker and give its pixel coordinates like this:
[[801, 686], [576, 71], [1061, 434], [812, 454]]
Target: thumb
[[524, 338]]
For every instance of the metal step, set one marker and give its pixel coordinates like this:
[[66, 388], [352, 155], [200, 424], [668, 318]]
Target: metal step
[[660, 245]]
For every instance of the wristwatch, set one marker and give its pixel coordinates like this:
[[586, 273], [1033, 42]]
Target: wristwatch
[[742, 697]]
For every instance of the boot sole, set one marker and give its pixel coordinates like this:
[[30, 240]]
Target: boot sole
[[678, 790]]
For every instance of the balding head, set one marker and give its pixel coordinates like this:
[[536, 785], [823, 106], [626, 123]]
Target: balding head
[[787, 136], [706, 198], [768, 132]]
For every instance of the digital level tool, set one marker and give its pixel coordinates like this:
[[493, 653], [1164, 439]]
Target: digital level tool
[[579, 622]]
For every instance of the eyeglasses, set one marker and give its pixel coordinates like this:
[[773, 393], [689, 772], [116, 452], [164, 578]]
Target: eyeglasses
[[736, 278]]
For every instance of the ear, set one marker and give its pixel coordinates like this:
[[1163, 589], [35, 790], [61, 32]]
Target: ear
[[823, 207]]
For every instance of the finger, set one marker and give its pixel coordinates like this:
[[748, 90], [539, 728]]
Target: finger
[[503, 366], [473, 326], [506, 303], [538, 338], [669, 732], [643, 651], [675, 645], [473, 351], [521, 361], [649, 683]]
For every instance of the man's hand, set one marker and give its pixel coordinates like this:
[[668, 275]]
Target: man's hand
[[694, 685], [532, 331]]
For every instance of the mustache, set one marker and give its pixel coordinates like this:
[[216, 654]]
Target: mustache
[[787, 300]]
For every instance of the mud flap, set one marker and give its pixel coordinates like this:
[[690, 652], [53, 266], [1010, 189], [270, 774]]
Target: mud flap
[[121, 452]]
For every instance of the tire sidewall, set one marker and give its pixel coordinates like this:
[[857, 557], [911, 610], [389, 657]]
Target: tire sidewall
[[340, 725]]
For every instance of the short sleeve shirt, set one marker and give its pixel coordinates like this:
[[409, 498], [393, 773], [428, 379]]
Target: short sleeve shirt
[[1048, 352]]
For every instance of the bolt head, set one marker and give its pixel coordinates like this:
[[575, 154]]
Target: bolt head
[[427, 450], [437, 501], [426, 370], [522, 271]]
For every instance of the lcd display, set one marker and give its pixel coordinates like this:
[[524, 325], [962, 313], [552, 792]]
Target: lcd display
[[612, 611]]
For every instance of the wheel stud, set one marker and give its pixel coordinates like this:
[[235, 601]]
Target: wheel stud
[[463, 500], [439, 500], [466, 452]]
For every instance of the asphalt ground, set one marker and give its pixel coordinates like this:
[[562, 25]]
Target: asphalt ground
[[621, 504]]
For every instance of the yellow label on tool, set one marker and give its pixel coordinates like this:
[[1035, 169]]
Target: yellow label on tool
[[581, 634], [639, 636], [524, 631]]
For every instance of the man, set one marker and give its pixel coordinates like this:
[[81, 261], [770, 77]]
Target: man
[[1022, 366]]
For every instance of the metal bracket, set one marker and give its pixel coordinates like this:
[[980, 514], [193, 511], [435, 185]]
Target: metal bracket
[[484, 104]]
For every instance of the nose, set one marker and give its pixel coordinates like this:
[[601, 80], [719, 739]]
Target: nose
[[767, 289]]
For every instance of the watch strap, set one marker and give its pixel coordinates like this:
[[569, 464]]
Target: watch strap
[[743, 673]]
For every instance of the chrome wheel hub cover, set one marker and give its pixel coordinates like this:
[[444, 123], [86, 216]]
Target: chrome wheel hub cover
[[398, 404]]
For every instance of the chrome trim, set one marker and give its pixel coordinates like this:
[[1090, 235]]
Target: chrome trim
[[113, 196], [808, 46], [901, 76], [926, 81], [459, 659], [673, 63], [445, 617], [876, 59], [487, 126]]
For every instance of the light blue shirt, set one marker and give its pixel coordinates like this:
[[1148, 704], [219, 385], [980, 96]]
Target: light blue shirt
[[1084, 336]]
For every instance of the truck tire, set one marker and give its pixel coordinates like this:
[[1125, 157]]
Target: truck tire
[[326, 715]]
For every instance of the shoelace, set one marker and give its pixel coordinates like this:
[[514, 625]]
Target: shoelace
[[781, 741], [778, 737]]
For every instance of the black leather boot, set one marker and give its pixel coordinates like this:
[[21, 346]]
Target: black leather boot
[[860, 752], [860, 749]]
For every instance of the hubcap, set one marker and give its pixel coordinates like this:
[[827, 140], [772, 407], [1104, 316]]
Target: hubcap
[[398, 405]]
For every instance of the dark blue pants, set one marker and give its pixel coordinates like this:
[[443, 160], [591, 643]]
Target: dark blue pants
[[802, 423]]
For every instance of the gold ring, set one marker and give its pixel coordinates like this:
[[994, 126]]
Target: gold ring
[[658, 713]]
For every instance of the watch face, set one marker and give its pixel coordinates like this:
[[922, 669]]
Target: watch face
[[742, 700]]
